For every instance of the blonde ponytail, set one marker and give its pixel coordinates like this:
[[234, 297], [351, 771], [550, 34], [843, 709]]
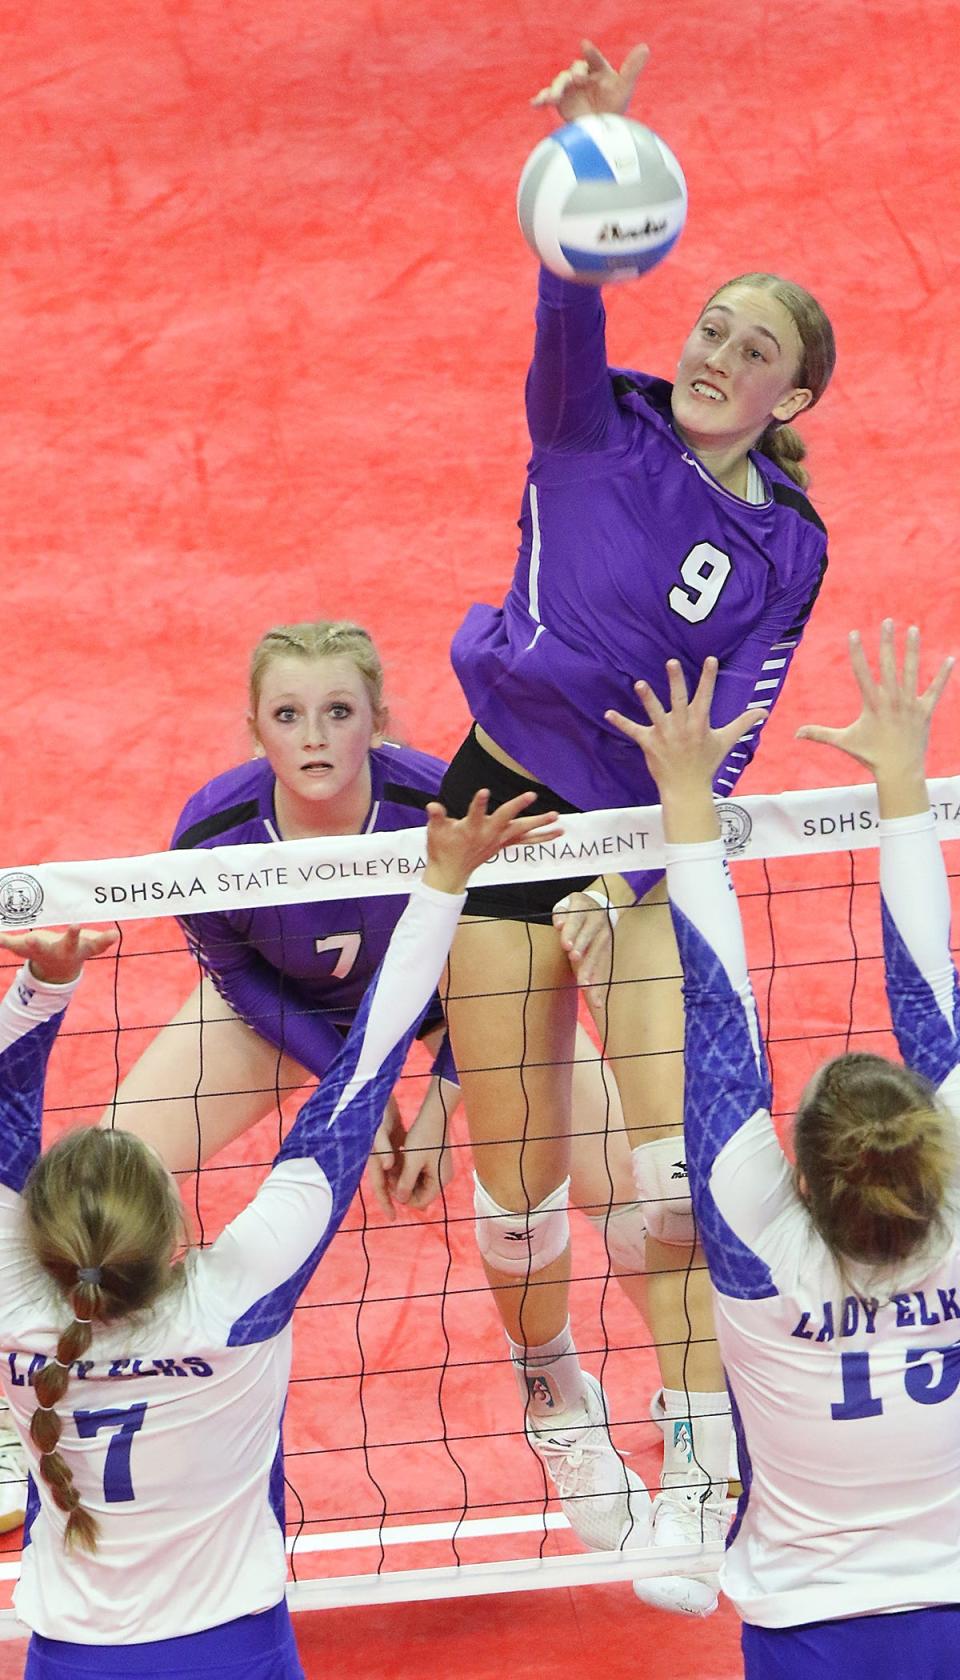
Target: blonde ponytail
[[104, 1219], [50, 1385], [784, 446]]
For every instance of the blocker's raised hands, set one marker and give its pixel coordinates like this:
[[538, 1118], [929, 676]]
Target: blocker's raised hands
[[890, 735], [681, 745], [57, 958], [456, 847], [683, 749], [591, 85]]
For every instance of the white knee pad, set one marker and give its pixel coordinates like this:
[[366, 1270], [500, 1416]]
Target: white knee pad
[[521, 1243], [663, 1190], [624, 1230]]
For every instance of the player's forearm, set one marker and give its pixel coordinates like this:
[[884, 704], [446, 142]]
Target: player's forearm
[[920, 975], [689, 813], [29, 1002], [701, 891], [727, 1080], [901, 790], [568, 394], [30, 1017], [355, 1091]]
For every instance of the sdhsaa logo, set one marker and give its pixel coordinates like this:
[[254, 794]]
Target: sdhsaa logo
[[736, 826], [21, 897]]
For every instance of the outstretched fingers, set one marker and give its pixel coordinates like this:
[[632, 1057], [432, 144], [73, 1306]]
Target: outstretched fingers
[[911, 661], [633, 64], [821, 733], [861, 669], [727, 737], [889, 676], [593, 57], [931, 696], [636, 732], [703, 694]]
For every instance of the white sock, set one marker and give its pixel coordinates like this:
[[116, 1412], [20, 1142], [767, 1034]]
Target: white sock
[[696, 1439], [550, 1379]]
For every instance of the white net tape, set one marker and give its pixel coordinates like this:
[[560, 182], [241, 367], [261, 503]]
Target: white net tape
[[304, 871]]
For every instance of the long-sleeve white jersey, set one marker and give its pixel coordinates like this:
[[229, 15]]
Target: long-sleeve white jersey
[[846, 1404], [172, 1428]]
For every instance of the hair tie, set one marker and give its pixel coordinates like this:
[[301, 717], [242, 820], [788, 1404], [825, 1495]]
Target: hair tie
[[77, 1320], [89, 1274]]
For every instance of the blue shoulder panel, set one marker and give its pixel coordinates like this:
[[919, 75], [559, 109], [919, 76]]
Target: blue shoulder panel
[[725, 1085], [23, 1067], [341, 1147], [928, 1042]]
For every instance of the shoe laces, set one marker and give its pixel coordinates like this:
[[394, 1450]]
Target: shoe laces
[[565, 1451], [693, 1513]]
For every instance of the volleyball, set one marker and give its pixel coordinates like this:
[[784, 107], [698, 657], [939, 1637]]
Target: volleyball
[[601, 199]]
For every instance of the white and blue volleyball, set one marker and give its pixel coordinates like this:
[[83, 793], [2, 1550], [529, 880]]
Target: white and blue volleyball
[[601, 199]]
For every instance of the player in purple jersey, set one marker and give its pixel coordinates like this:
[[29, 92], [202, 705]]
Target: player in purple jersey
[[149, 1387], [295, 973], [836, 1278], [657, 520]]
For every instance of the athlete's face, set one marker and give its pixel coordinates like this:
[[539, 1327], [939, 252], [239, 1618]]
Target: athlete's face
[[738, 370], [316, 725]]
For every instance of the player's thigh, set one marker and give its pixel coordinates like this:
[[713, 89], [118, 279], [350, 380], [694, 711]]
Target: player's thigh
[[640, 1019], [511, 1007], [201, 1082], [601, 1166]]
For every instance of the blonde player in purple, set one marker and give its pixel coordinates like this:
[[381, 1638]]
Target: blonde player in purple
[[658, 519], [294, 974], [283, 982], [836, 1280], [148, 1387]]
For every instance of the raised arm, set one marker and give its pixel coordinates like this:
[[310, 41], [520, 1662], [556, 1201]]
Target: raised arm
[[739, 1178], [30, 1017], [265, 1257], [570, 402], [264, 998], [890, 738]]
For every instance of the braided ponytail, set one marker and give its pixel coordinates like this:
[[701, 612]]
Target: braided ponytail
[[784, 446], [104, 1219], [50, 1385]]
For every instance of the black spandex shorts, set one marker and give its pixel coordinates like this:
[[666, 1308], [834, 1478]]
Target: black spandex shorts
[[528, 901]]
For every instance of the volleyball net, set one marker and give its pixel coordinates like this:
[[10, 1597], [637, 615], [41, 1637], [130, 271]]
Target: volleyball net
[[407, 1468]]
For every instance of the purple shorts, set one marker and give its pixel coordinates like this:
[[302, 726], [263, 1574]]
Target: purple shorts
[[252, 1648], [911, 1644]]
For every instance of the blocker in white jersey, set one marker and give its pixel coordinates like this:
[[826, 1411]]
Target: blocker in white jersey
[[170, 1420], [838, 1281]]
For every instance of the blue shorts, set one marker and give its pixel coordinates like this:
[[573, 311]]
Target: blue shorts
[[912, 1644], [251, 1648]]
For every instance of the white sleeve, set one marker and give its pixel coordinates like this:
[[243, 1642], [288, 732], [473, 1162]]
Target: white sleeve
[[921, 978]]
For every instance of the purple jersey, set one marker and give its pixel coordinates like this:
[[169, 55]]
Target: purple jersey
[[631, 553], [297, 972]]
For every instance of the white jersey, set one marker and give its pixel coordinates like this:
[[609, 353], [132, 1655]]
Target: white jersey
[[173, 1430], [847, 1404]]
